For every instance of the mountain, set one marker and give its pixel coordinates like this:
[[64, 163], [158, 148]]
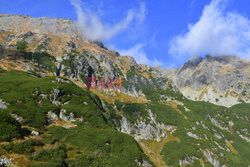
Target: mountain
[[220, 80], [65, 97]]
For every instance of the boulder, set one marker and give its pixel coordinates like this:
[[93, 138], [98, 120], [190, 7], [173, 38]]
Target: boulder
[[35, 133], [3, 105]]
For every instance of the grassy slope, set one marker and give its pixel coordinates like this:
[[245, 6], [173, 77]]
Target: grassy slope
[[188, 146], [173, 151], [96, 136], [94, 141]]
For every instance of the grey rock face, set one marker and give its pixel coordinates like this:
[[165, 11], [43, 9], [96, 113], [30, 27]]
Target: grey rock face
[[3, 105], [190, 134], [52, 117], [62, 116], [225, 74], [244, 137], [62, 80], [42, 25], [89, 65], [35, 133], [209, 155], [18, 118], [5, 161], [188, 160], [142, 130], [217, 135], [54, 95], [208, 71], [218, 123], [43, 96], [143, 163]]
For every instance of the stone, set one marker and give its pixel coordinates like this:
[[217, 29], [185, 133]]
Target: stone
[[62, 116], [18, 118], [143, 163], [52, 115], [142, 130], [190, 134], [54, 95], [3, 105], [35, 133], [217, 135], [43, 96], [5, 161], [209, 155]]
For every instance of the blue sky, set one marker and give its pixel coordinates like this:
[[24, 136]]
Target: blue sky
[[162, 32]]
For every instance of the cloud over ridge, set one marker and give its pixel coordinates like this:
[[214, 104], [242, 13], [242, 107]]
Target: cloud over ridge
[[94, 29], [217, 32], [138, 53]]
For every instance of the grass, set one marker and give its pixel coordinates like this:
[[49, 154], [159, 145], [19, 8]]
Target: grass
[[22, 92], [153, 148], [9, 127], [25, 147], [94, 140], [174, 151], [112, 146]]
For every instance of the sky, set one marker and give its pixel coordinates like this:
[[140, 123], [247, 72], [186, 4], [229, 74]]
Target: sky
[[163, 32]]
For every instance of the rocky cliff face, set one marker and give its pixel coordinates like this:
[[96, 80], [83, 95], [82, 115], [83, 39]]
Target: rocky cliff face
[[143, 130], [220, 80], [75, 57]]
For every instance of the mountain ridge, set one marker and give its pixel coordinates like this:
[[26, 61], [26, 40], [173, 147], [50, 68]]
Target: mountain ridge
[[44, 88]]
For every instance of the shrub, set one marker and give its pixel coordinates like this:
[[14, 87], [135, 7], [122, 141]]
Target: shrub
[[21, 46], [9, 127], [24, 147], [56, 156], [1, 70], [90, 160]]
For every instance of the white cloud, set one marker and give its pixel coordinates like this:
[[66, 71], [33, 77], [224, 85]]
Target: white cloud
[[140, 56], [94, 29], [217, 32]]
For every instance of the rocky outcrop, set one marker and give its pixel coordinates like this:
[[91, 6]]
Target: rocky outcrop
[[3, 105], [143, 163], [18, 118], [217, 135], [218, 123], [209, 155], [54, 95], [41, 25], [147, 130], [245, 137], [221, 80], [187, 161], [190, 134], [70, 118], [53, 117], [35, 133], [5, 161]]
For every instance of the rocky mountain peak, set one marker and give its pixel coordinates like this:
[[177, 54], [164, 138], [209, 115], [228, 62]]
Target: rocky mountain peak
[[210, 59], [191, 63], [211, 78]]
